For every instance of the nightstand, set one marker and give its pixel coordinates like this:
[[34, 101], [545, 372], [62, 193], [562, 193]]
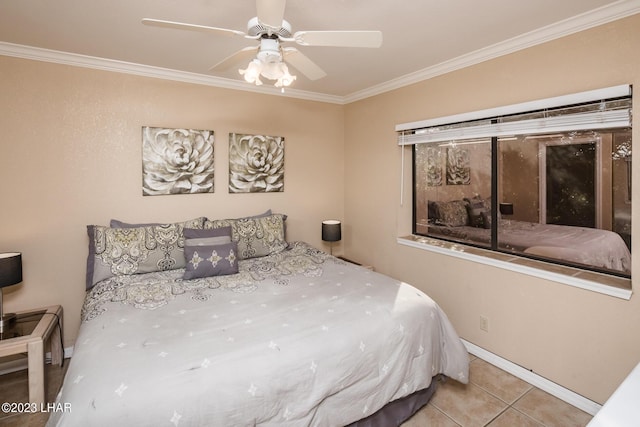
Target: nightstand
[[28, 334], [368, 267]]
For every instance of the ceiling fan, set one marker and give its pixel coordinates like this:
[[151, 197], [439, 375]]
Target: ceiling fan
[[268, 58]]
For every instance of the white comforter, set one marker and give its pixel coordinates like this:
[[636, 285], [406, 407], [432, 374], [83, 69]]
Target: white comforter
[[588, 246], [295, 339]]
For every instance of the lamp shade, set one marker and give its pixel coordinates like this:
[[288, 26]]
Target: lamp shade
[[331, 230], [506, 208], [10, 268]]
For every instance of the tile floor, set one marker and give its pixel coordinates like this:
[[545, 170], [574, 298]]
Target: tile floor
[[493, 398]]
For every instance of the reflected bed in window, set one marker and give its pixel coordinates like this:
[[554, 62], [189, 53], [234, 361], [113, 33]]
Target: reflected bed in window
[[575, 245]]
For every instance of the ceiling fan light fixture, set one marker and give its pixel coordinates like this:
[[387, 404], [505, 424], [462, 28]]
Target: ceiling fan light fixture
[[277, 71], [285, 78], [271, 70], [252, 72]]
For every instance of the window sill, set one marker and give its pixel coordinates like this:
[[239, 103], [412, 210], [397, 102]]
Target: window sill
[[609, 285]]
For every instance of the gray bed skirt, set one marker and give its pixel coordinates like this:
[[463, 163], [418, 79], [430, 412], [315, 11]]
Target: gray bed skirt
[[396, 412]]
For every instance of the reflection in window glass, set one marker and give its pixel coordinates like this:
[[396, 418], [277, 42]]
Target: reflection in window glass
[[561, 197], [453, 191]]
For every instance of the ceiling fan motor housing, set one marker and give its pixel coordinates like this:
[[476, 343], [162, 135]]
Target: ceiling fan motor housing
[[269, 51], [256, 28]]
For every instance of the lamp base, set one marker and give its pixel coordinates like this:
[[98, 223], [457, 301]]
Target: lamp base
[[7, 320]]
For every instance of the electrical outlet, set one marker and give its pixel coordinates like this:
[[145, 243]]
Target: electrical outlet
[[484, 323]]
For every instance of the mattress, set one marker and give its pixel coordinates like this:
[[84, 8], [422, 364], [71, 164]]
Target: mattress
[[297, 338]]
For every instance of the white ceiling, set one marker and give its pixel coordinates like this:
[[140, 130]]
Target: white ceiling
[[421, 38]]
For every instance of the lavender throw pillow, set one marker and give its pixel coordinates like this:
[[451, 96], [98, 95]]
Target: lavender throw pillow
[[209, 261]]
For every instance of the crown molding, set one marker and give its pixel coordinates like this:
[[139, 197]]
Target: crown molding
[[600, 16], [614, 11], [76, 60]]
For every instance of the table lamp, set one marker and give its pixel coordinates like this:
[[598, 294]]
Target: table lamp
[[331, 232], [10, 274], [506, 208]]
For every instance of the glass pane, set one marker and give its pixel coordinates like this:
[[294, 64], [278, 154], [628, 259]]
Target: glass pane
[[566, 198], [453, 191], [571, 183], [23, 325], [621, 184]]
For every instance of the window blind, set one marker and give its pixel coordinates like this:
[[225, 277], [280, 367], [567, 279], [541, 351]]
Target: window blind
[[486, 123]]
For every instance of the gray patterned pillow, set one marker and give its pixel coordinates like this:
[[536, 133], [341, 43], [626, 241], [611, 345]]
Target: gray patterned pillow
[[209, 237], [208, 222], [116, 223], [486, 219], [475, 208], [256, 237], [123, 251], [208, 261], [452, 214]]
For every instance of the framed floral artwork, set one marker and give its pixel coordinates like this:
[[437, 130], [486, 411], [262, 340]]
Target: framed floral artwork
[[458, 166], [434, 166], [177, 161], [256, 163]]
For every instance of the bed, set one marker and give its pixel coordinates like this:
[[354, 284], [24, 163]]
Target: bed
[[588, 246], [293, 336], [469, 220]]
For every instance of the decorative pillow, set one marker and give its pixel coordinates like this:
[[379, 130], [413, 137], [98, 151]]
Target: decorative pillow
[[256, 237], [208, 223], [213, 260], [198, 237], [452, 214], [486, 219], [475, 207], [122, 251], [114, 223], [262, 215], [432, 211]]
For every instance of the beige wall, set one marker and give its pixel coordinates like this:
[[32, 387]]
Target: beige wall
[[70, 155], [520, 179], [582, 340]]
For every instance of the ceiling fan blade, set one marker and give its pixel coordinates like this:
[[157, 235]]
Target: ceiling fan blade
[[271, 12], [303, 64], [241, 56], [190, 27], [339, 38]]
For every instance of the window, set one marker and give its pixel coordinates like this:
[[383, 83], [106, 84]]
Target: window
[[548, 180]]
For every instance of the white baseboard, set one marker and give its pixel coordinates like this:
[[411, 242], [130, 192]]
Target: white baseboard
[[20, 364], [13, 366], [536, 380], [68, 352]]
